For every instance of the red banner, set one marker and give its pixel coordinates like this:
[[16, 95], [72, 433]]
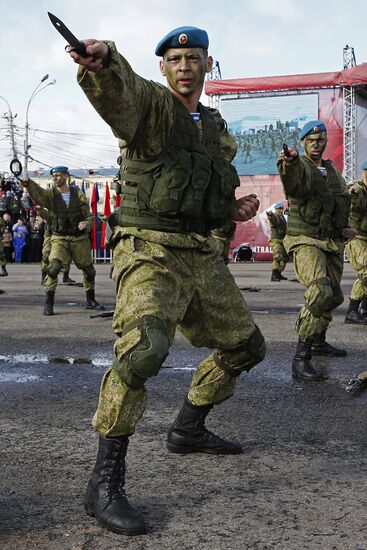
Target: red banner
[[106, 214]]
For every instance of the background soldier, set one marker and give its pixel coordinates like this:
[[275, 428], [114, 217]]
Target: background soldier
[[318, 217], [4, 272], [178, 184], [357, 250], [278, 225], [70, 222]]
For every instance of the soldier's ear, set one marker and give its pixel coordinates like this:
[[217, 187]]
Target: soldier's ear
[[162, 68], [209, 64]]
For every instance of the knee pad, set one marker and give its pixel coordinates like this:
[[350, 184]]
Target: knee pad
[[90, 273], [319, 297], [243, 357], [144, 358], [54, 268]]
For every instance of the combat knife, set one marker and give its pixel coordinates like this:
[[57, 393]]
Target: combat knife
[[74, 45]]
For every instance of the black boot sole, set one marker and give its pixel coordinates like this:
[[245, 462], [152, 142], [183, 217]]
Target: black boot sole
[[90, 512], [183, 450], [309, 378]]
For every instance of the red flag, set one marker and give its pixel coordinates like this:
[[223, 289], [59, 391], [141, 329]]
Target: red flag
[[93, 203], [106, 213], [118, 200]]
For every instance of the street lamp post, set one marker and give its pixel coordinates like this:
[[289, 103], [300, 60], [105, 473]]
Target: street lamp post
[[36, 91], [10, 118]]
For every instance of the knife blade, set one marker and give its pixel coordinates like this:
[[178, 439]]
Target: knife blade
[[74, 45]]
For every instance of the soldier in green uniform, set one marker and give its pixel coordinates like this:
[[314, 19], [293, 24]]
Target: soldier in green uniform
[[317, 226], [278, 225], [70, 222], [4, 272], [178, 185], [357, 251]]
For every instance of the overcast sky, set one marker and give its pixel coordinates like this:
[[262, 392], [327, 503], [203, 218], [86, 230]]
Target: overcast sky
[[248, 38]]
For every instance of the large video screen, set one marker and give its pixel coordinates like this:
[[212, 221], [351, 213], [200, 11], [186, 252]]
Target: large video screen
[[261, 125]]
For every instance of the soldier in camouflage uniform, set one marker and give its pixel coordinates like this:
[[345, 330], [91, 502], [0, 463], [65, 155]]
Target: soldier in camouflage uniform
[[4, 272], [178, 185], [317, 226], [70, 222], [278, 225], [357, 251]]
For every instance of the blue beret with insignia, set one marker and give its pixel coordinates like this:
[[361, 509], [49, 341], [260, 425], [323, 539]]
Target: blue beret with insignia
[[312, 127], [183, 37], [63, 169], [364, 165], [279, 205]]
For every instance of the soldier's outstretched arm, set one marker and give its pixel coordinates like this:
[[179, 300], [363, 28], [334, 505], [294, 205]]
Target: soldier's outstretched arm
[[39, 196]]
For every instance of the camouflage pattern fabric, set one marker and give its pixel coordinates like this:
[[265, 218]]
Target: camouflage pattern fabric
[[67, 249], [46, 249], [179, 278], [280, 256], [173, 285], [316, 263], [357, 255]]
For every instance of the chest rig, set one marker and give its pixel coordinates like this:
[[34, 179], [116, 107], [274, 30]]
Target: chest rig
[[65, 219], [324, 213], [188, 188]]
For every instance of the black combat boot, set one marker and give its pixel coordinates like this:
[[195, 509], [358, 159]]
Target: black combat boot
[[66, 279], [91, 301], [321, 347], [189, 435], [363, 307], [3, 273], [301, 364], [105, 499], [275, 275], [49, 304], [282, 278], [353, 316]]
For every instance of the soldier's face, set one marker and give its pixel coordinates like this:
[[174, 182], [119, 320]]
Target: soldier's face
[[315, 145], [185, 69], [279, 211], [59, 178]]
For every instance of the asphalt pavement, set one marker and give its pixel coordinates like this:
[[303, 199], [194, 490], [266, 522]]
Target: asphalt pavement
[[299, 485]]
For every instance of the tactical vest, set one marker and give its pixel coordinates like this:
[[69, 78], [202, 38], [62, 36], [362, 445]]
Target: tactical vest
[[324, 213], [64, 220], [189, 187], [279, 231], [358, 219]]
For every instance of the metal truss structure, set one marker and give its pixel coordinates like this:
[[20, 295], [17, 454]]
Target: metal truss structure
[[215, 74], [349, 119]]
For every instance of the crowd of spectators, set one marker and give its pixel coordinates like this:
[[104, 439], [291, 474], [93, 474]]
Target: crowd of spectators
[[24, 228]]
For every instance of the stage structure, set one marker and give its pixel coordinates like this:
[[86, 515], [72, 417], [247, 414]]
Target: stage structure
[[263, 113]]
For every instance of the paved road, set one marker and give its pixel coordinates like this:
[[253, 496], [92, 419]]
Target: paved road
[[300, 484]]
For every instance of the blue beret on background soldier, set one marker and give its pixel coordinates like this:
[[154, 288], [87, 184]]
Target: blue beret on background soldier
[[356, 250], [178, 185], [317, 228]]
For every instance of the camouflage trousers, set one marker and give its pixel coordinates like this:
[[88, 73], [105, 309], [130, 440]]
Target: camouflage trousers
[[320, 272], [186, 287], [65, 249], [46, 249], [280, 255], [357, 255], [2, 253]]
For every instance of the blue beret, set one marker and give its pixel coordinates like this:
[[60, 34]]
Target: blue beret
[[364, 165], [279, 205], [64, 169], [183, 37], [312, 127]]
